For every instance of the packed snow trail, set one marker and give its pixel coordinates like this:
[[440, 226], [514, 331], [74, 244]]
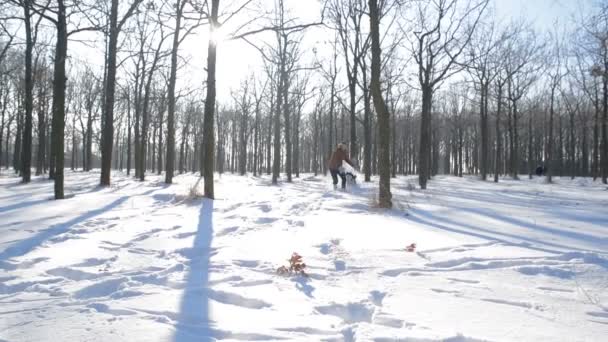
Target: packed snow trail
[[142, 261]]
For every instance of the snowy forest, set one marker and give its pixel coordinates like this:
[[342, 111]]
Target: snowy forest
[[480, 126], [465, 93]]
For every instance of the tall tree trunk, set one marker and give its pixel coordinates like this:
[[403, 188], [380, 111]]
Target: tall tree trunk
[[208, 124], [497, 157], [572, 148], [425, 137], [485, 141], [276, 162], [182, 152], [296, 144], [243, 144], [530, 153], [143, 143], [41, 128], [137, 142], [330, 130], [159, 157], [74, 145], [129, 127], [560, 147], [585, 151], [170, 159], [549, 147], [596, 140], [384, 196], [256, 137], [460, 149], [17, 147], [393, 141], [26, 150], [108, 108], [604, 128], [4, 102], [287, 119], [354, 149], [269, 140], [59, 83], [367, 129]]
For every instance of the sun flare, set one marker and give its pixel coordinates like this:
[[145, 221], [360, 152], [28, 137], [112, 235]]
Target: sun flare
[[218, 35]]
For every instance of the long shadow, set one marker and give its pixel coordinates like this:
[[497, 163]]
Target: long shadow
[[26, 245], [193, 318], [521, 223], [420, 220], [20, 205], [481, 233]]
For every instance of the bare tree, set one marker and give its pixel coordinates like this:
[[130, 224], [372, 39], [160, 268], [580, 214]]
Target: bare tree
[[31, 35], [113, 30], [521, 67], [482, 67], [443, 29], [384, 195], [186, 24], [596, 41], [208, 123]]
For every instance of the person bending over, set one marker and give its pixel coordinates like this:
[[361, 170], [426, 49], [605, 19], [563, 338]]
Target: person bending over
[[335, 162]]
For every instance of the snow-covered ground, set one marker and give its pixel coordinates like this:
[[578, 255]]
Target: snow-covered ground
[[514, 261]]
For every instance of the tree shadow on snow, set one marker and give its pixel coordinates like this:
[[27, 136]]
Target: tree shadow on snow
[[22, 205], [26, 245], [193, 317], [510, 238]]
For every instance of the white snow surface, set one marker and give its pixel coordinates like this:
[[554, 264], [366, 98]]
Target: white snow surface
[[142, 261]]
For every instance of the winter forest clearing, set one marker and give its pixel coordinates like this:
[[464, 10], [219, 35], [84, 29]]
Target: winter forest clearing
[[514, 261], [341, 170]]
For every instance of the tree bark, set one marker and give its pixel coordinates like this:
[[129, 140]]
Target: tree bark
[[26, 149], [40, 153], [209, 117], [425, 137], [59, 82], [604, 157], [107, 140], [549, 146], [108, 109], [485, 142], [384, 196], [497, 157], [170, 159]]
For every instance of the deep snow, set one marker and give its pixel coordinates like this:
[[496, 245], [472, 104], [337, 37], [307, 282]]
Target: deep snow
[[514, 261]]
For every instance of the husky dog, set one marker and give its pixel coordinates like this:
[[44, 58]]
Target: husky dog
[[349, 172], [351, 178]]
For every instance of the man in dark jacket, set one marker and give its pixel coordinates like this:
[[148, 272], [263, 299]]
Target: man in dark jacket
[[335, 162], [540, 170]]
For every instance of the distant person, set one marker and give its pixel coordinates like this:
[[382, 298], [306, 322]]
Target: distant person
[[335, 163], [540, 171]]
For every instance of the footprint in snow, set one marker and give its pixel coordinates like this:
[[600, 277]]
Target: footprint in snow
[[238, 300], [266, 220], [340, 265], [247, 263], [525, 305], [73, 274], [350, 312], [387, 320], [324, 248], [454, 292], [467, 281], [184, 235], [554, 289], [377, 297], [227, 231]]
